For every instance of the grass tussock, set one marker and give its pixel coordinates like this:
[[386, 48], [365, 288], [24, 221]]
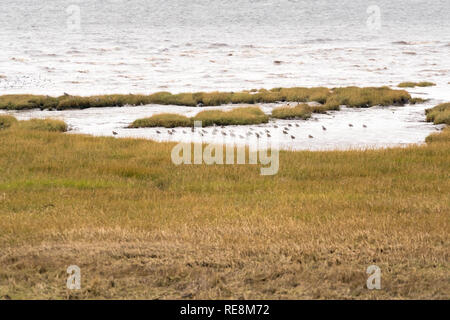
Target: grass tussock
[[416, 84], [237, 116], [140, 227], [417, 100], [439, 114], [331, 99], [51, 125], [439, 137], [167, 120], [300, 111], [7, 121], [367, 97]]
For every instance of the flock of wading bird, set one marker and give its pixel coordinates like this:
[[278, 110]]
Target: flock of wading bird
[[261, 132]]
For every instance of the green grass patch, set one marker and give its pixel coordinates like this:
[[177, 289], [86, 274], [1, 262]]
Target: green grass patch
[[417, 100], [356, 97], [330, 98], [300, 111], [439, 114], [7, 121], [237, 116], [167, 120], [439, 137], [52, 125], [416, 84]]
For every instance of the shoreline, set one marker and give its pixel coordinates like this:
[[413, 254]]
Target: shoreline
[[385, 126]]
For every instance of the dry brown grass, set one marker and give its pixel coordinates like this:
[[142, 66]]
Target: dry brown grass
[[416, 84], [439, 114], [141, 227], [236, 116], [300, 111]]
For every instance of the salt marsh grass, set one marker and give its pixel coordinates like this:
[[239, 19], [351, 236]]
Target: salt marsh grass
[[330, 98], [7, 121], [416, 84], [237, 116], [33, 124], [300, 111], [439, 114], [140, 227], [167, 120]]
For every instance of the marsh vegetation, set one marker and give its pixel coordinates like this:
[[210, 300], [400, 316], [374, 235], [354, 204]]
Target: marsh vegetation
[[300, 111], [237, 116], [416, 84], [440, 114], [140, 227], [329, 98], [54, 125]]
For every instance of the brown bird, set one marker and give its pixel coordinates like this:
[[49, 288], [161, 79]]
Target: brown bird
[[350, 125], [158, 132], [285, 132], [364, 126], [115, 133], [310, 136], [292, 137], [324, 129]]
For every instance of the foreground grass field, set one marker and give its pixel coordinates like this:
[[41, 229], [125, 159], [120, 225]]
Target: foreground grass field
[[140, 227]]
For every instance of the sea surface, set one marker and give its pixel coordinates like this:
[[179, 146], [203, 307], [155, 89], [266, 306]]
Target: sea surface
[[136, 46]]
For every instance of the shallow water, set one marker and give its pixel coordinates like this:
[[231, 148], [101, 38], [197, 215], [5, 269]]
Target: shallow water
[[141, 46], [137, 46], [384, 127]]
